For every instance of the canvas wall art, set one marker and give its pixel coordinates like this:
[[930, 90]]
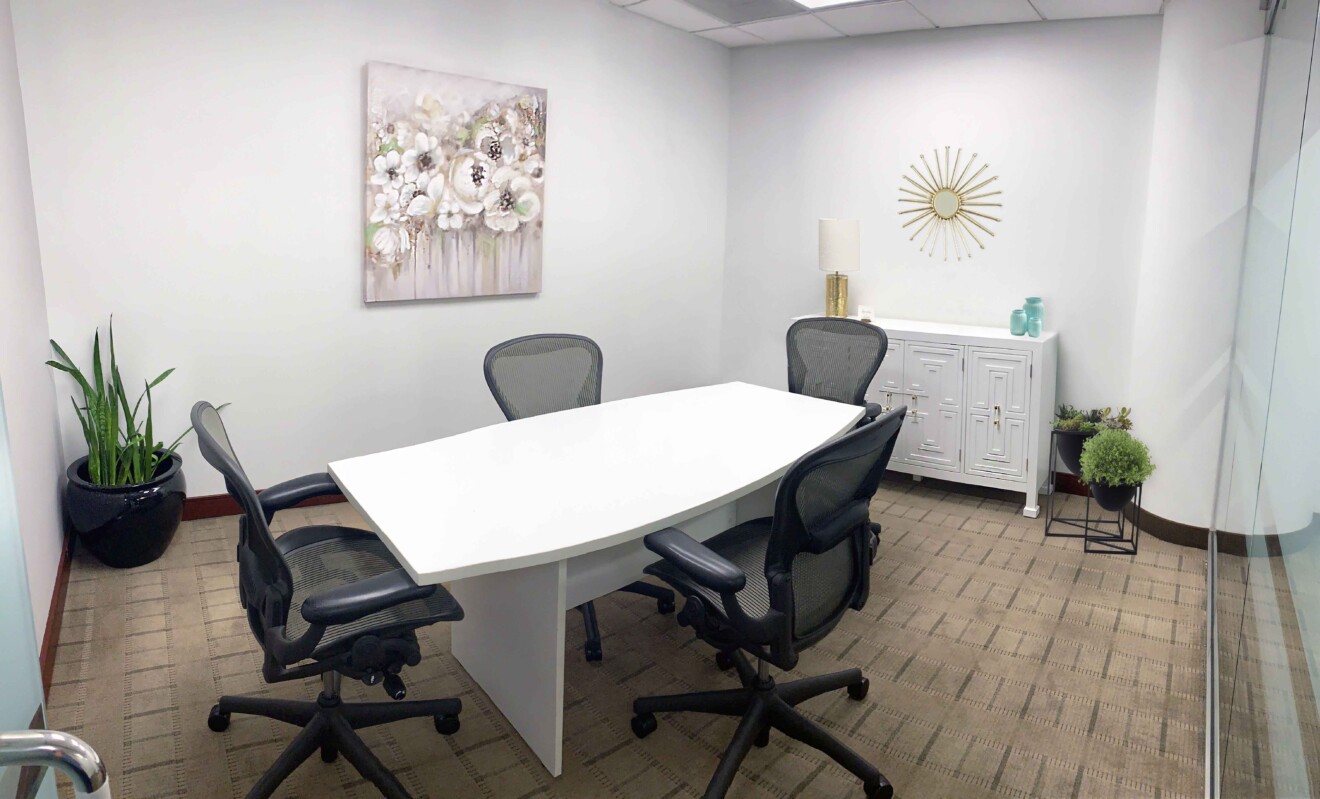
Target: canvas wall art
[[455, 181]]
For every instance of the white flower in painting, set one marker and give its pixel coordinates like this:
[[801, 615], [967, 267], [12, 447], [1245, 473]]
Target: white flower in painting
[[533, 166], [388, 170], [386, 207], [430, 113], [388, 244], [496, 142], [438, 200], [511, 201], [470, 176], [424, 203], [424, 157], [448, 212]]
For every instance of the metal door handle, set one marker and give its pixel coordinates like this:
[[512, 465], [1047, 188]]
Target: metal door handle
[[60, 751]]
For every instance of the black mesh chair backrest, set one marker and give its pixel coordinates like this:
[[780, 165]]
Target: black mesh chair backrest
[[833, 358], [265, 584], [817, 561], [544, 373]]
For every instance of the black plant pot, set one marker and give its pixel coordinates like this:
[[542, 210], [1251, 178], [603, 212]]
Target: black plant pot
[[1113, 498], [126, 526], [1070, 448]]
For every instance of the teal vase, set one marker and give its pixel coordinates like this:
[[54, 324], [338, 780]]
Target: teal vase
[[1033, 328], [1017, 322], [1035, 310]]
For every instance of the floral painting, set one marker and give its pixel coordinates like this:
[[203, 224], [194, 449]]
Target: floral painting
[[455, 178]]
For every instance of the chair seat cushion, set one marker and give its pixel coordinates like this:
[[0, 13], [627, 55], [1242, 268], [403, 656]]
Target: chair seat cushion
[[325, 556], [745, 547]]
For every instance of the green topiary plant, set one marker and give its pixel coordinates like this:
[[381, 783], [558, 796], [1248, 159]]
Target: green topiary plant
[[1113, 457]]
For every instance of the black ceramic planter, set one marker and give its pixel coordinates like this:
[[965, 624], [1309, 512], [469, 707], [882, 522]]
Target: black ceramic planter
[[1112, 498], [126, 526], [1070, 448]]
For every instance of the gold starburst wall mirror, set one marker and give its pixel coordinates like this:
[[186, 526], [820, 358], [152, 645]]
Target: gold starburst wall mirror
[[944, 202]]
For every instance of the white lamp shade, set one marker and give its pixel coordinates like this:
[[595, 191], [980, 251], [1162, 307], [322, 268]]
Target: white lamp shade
[[840, 245]]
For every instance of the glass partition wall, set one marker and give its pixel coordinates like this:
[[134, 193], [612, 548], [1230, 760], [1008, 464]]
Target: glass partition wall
[[1264, 569]]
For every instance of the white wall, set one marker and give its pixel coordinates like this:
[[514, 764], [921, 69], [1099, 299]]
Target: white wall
[[1061, 111], [29, 395], [1205, 125], [198, 172]]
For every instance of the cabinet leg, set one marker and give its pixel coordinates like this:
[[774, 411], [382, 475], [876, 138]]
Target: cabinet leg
[[1031, 511], [916, 478]]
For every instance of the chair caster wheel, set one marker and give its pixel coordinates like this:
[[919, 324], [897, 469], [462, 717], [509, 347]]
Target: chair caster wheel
[[724, 661], [879, 790], [446, 725], [643, 725], [762, 738], [593, 653], [665, 606], [329, 754], [217, 721], [857, 692]]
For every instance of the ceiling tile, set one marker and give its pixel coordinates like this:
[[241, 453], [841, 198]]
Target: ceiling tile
[[731, 37], [957, 13], [677, 13], [882, 18], [1078, 9], [736, 11], [791, 29]]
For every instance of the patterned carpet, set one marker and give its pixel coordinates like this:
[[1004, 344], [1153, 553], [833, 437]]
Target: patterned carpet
[[1001, 666]]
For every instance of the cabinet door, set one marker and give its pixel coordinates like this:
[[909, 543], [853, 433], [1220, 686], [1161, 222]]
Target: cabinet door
[[933, 385], [998, 386], [887, 388]]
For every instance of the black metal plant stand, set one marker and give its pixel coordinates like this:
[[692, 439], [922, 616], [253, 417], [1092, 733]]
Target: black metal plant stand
[[1123, 541], [1100, 535], [1052, 519]]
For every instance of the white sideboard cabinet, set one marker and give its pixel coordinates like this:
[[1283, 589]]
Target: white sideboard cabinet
[[979, 402]]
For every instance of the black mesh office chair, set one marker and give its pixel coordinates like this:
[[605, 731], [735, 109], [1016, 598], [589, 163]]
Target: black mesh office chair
[[775, 586], [552, 372], [332, 596], [836, 359]]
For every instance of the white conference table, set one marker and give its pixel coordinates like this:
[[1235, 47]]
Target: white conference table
[[525, 520]]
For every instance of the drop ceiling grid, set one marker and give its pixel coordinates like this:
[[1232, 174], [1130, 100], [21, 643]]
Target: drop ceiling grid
[[739, 23]]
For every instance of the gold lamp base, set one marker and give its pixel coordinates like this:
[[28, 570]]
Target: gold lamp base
[[836, 295]]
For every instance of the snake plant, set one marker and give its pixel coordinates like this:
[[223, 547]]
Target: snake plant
[[122, 449]]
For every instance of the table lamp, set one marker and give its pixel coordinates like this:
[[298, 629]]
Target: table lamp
[[840, 251]]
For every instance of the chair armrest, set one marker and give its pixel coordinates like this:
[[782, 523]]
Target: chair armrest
[[872, 411], [707, 567], [282, 496], [352, 601]]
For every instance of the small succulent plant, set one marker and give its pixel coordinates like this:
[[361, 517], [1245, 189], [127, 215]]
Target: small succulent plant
[[1123, 421]]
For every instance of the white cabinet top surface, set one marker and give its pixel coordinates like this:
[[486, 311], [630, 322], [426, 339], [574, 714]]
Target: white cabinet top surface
[[949, 331], [537, 490]]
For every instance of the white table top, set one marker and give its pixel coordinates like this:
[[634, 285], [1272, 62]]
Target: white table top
[[543, 489]]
